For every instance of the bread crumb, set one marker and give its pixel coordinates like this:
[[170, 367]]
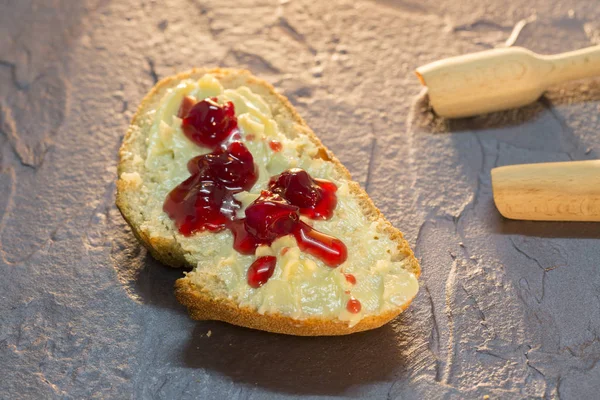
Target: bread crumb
[[132, 177], [486, 397], [209, 333], [137, 159]]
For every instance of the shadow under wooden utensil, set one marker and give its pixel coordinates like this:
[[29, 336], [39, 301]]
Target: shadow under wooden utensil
[[555, 128], [297, 365], [427, 121], [574, 94], [548, 229]]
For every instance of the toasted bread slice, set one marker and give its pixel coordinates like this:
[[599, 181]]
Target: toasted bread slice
[[304, 296]]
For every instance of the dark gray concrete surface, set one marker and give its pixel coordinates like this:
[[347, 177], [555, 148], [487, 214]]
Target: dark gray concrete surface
[[506, 309]]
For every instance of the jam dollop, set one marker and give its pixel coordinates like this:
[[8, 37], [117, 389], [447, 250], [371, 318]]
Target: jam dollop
[[270, 217], [205, 200], [233, 168], [261, 270], [353, 305], [207, 122], [315, 197]]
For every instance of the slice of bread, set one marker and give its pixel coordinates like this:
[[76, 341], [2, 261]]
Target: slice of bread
[[304, 296]]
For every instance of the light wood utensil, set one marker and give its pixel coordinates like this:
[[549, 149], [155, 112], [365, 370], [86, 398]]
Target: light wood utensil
[[501, 79], [560, 191]]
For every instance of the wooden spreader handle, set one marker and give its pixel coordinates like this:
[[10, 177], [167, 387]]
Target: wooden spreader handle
[[560, 191], [500, 79]]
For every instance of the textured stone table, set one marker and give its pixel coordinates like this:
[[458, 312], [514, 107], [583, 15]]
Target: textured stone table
[[506, 309]]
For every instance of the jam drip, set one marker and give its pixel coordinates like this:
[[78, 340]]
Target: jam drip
[[261, 270], [330, 250]]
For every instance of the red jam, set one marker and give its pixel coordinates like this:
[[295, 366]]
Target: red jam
[[243, 242], [199, 204], [261, 270], [270, 217], [275, 145], [330, 250], [208, 123], [315, 197], [205, 200], [232, 168], [353, 306], [351, 279]]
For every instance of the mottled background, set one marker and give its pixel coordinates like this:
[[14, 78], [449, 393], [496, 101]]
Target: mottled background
[[506, 309]]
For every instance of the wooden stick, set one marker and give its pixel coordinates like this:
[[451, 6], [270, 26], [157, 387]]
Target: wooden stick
[[500, 79], [562, 191], [580, 64]]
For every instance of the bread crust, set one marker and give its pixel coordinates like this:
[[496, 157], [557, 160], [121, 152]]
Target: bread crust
[[201, 305]]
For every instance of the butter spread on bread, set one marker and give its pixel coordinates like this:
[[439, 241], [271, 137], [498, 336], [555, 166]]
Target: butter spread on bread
[[303, 295]]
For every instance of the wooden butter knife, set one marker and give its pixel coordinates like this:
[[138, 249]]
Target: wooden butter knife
[[500, 79], [559, 191]]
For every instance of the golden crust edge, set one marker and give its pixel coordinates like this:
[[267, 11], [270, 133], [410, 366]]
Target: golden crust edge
[[201, 306], [170, 253]]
